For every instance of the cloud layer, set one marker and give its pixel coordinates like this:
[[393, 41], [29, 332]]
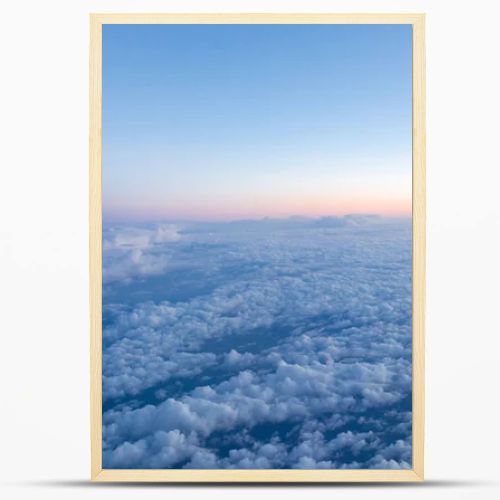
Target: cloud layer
[[258, 344]]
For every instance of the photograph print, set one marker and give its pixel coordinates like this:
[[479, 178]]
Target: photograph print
[[257, 246]]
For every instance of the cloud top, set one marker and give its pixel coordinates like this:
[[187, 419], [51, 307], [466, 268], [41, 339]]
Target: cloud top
[[258, 344]]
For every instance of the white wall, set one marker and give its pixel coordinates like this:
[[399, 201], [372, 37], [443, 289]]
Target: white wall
[[44, 451]]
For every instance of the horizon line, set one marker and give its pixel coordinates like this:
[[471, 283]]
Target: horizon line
[[169, 220]]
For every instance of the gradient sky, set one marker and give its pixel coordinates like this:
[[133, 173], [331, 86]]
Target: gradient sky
[[239, 121]]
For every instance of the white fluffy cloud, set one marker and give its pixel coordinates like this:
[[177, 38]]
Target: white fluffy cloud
[[295, 353], [130, 252]]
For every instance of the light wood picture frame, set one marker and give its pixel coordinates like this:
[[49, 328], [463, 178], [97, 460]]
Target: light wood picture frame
[[416, 473]]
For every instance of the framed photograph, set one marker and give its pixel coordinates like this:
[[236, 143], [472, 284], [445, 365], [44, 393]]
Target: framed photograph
[[257, 247]]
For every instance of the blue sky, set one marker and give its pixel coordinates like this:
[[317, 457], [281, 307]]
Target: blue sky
[[236, 121]]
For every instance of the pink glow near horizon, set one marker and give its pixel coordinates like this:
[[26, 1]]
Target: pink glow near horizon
[[256, 209]]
